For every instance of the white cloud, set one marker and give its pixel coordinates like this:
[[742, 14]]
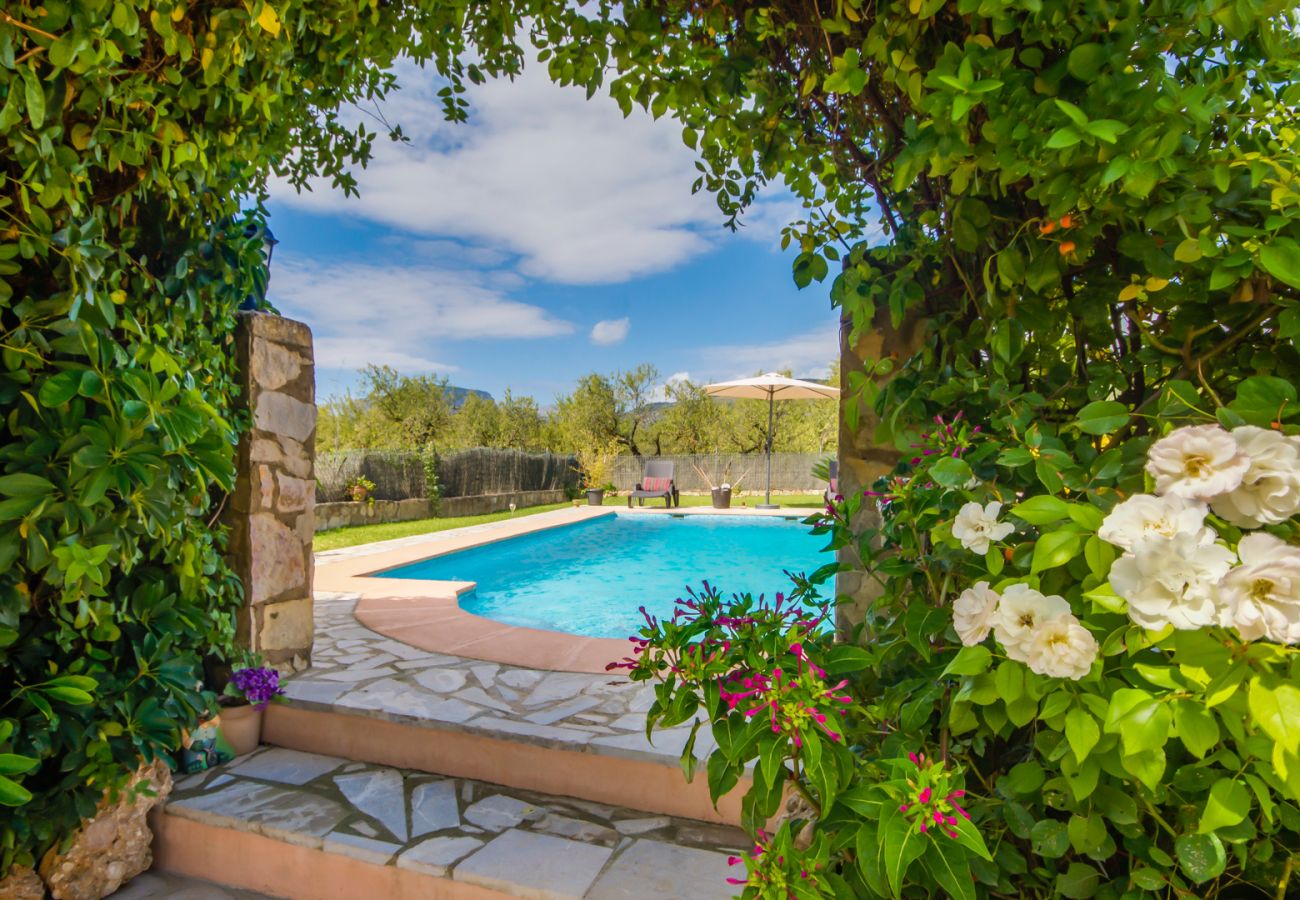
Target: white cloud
[[578, 193], [660, 393], [609, 331], [364, 313], [807, 355]]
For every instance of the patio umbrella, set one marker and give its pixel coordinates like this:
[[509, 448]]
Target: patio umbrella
[[771, 387]]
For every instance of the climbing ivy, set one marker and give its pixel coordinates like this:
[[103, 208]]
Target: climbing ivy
[[138, 139]]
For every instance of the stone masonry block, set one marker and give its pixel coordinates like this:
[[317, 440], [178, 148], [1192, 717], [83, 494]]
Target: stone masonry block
[[295, 493], [281, 451], [278, 564], [272, 366], [286, 625], [281, 414], [270, 327]]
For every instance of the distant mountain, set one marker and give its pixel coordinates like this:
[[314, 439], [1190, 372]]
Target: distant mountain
[[458, 395]]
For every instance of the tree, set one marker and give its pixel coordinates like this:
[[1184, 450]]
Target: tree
[[607, 408]]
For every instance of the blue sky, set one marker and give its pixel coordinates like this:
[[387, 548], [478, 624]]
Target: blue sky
[[546, 238]]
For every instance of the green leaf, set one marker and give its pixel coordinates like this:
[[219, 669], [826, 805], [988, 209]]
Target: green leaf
[[34, 94], [1086, 516], [1102, 417], [1148, 766], [901, 844], [1062, 138], [950, 868], [1086, 60], [1041, 510], [59, 389], [1050, 838], [1196, 726], [1228, 804], [1281, 259], [70, 696], [1078, 882], [1023, 779], [12, 793], [951, 472], [1188, 250], [1276, 710], [969, 661], [1201, 856], [1056, 549], [25, 484], [1263, 399], [1145, 727], [1082, 732], [13, 764]]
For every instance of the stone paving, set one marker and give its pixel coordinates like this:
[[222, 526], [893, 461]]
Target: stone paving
[[166, 886], [360, 672], [514, 841]]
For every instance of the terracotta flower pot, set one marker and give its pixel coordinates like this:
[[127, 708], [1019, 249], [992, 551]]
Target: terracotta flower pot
[[242, 727]]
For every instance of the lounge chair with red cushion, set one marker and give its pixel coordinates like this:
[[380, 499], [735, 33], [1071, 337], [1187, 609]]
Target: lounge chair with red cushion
[[656, 482]]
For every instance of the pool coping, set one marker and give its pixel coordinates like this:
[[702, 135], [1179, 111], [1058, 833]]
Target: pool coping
[[427, 613]]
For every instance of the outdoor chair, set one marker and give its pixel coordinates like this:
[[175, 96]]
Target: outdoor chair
[[656, 482], [833, 481]]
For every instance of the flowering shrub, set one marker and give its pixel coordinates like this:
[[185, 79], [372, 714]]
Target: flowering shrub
[[256, 685]]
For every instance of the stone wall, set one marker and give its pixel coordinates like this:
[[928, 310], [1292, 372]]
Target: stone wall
[[490, 503], [270, 513], [862, 458], [345, 514]]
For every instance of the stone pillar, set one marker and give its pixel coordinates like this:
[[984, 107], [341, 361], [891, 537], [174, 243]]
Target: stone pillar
[[271, 513], [862, 459]]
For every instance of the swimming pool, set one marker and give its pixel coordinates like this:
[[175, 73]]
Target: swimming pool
[[589, 578]]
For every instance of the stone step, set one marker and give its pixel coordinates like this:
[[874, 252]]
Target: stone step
[[300, 825], [374, 699], [628, 771]]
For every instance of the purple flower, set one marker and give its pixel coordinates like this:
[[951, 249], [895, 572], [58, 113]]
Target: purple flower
[[258, 686]]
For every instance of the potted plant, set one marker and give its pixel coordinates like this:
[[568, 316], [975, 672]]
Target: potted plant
[[721, 492], [359, 488], [246, 697], [596, 465]]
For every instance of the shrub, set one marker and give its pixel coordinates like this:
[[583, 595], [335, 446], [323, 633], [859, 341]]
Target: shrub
[[1078, 225], [131, 131]]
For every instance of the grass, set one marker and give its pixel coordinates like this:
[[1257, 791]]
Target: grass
[[338, 538]]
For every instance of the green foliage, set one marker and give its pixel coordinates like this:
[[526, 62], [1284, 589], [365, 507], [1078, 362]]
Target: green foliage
[[1090, 217], [131, 130]]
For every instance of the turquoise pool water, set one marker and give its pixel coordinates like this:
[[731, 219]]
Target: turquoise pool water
[[589, 578]]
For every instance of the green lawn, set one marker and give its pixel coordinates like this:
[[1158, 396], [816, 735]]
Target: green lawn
[[365, 534]]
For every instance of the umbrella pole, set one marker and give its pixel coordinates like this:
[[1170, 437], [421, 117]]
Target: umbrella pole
[[769, 504]]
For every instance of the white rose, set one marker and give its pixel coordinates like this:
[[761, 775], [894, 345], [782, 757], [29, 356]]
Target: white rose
[[1019, 613], [1270, 490], [977, 526], [1172, 581], [1146, 515], [1198, 462], [1062, 648], [972, 613], [1262, 595]]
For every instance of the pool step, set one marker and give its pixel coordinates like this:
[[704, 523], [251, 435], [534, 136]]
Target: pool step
[[301, 825], [624, 770]]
